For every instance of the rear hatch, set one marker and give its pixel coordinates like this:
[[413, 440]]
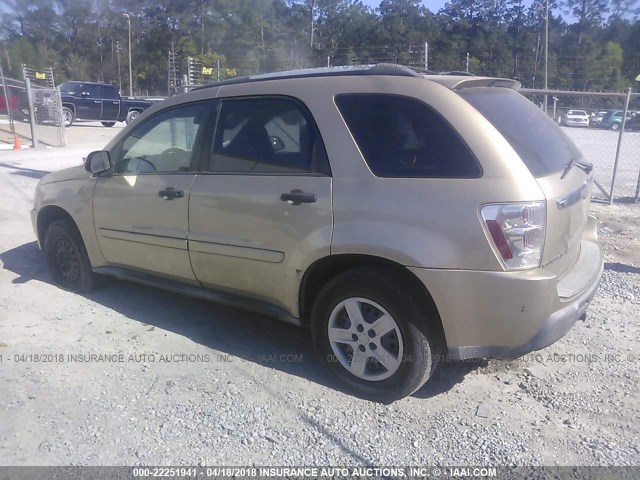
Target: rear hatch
[[548, 153], [577, 116]]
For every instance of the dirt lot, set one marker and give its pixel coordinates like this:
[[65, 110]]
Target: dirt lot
[[132, 375]]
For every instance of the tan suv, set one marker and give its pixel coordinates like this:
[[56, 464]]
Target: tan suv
[[402, 216]]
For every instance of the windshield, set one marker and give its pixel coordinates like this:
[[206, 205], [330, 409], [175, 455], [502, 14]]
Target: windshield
[[501, 106]]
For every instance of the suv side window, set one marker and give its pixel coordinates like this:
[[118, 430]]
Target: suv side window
[[264, 135], [402, 137], [92, 90], [108, 93], [162, 143]]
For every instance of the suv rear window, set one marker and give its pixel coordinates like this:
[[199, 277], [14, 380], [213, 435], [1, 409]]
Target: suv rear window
[[402, 137], [540, 143]]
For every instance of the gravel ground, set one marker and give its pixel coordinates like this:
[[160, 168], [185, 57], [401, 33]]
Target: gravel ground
[[190, 382]]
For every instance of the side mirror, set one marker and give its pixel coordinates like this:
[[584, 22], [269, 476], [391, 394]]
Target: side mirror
[[97, 162], [276, 143]]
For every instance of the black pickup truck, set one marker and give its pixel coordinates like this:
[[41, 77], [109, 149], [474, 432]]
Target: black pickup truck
[[98, 101]]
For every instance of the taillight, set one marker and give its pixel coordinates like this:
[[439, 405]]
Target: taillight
[[517, 231]]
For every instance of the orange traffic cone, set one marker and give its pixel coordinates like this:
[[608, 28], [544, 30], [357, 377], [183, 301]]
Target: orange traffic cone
[[16, 143]]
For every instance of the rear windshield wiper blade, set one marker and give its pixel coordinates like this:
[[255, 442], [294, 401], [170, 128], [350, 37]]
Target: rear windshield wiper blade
[[584, 166]]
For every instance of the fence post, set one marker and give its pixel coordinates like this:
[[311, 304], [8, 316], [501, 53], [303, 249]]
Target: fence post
[[615, 162], [12, 128], [32, 118]]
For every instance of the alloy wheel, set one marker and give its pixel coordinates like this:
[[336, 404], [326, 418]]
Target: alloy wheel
[[365, 338]]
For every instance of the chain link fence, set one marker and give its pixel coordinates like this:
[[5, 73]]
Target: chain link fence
[[30, 115], [48, 117], [606, 129]]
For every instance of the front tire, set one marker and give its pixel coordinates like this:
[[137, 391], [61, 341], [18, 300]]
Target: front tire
[[108, 124], [373, 334], [615, 127], [67, 258]]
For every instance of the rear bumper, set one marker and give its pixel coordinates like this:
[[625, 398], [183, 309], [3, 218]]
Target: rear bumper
[[510, 314], [576, 123], [553, 329]]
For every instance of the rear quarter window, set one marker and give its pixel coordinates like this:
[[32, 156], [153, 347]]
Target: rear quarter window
[[541, 144], [402, 137]]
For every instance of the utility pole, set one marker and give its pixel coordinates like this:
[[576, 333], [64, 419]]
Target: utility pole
[[546, 52], [426, 56], [311, 5], [467, 62], [130, 71], [119, 69], [173, 70]]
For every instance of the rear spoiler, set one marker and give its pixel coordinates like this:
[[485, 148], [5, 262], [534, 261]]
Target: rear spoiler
[[460, 82]]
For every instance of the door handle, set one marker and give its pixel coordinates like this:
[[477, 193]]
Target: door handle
[[298, 197], [170, 193], [97, 101]]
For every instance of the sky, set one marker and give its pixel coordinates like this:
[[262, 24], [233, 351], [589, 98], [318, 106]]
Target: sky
[[433, 5]]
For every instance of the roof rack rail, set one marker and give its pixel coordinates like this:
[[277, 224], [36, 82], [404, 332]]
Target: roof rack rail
[[390, 69]]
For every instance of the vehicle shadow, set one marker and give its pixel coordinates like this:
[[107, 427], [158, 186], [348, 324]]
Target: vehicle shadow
[[232, 332], [621, 267], [26, 172], [447, 376], [92, 124]]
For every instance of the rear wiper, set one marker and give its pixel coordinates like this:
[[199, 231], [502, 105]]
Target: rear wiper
[[584, 166]]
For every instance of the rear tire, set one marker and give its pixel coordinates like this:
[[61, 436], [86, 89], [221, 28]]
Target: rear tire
[[67, 116], [372, 333], [67, 258], [108, 124], [131, 116]]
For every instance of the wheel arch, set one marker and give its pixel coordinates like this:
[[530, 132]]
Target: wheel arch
[[71, 107], [326, 268], [50, 214]]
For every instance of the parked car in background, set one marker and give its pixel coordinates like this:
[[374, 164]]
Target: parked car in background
[[16, 99], [596, 118], [575, 118], [98, 101], [335, 203], [633, 124], [613, 120]]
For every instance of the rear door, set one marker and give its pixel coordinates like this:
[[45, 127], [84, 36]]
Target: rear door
[[110, 103], [546, 151], [261, 206], [141, 212]]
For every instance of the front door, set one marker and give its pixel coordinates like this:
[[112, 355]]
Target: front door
[[141, 211], [261, 209]]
